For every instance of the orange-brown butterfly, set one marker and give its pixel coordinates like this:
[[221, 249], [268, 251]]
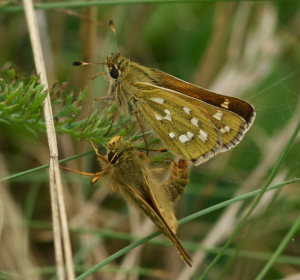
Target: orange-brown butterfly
[[193, 122], [131, 176]]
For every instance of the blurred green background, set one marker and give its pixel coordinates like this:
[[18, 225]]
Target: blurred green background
[[244, 49]]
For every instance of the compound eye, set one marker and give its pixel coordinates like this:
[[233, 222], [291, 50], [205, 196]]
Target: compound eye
[[114, 72], [112, 157]]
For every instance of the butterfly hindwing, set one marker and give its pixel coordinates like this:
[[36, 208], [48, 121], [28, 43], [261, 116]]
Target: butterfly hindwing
[[183, 127], [231, 126]]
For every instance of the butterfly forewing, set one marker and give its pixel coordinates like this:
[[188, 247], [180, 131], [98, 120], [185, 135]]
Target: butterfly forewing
[[152, 210], [238, 106]]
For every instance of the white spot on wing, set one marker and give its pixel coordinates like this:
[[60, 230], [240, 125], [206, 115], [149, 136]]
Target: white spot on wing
[[167, 112], [186, 110], [218, 115], [190, 135], [158, 116], [172, 135], [168, 115], [202, 135], [183, 138], [158, 100], [195, 122], [225, 104], [227, 128]]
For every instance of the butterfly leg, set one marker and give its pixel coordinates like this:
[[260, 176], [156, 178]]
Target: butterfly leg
[[98, 175], [92, 111], [103, 158], [101, 98], [95, 176], [97, 151], [142, 130], [100, 74], [106, 97], [78, 172], [111, 124], [160, 150]]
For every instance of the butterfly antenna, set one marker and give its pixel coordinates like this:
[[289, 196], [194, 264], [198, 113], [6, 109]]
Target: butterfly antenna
[[113, 28], [83, 63]]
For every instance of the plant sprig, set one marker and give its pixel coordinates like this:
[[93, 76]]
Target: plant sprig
[[22, 98]]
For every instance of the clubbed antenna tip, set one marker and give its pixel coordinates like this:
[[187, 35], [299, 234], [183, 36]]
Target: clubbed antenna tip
[[79, 63], [112, 26]]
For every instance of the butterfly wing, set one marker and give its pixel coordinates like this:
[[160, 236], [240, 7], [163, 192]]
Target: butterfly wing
[[184, 128], [231, 127], [232, 104], [232, 116], [152, 210], [216, 129]]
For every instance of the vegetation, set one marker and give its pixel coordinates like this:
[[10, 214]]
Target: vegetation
[[244, 204]]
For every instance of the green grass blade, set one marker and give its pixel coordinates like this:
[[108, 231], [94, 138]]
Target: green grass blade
[[116, 255], [29, 171], [182, 221], [83, 4], [280, 249], [254, 204]]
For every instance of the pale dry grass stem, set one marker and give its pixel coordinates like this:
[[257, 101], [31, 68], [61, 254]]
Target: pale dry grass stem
[[63, 252], [294, 276], [243, 49]]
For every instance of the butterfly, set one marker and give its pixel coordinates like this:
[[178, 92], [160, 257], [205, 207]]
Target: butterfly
[[193, 122], [130, 176]]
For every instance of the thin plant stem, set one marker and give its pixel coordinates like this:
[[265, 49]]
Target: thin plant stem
[[29, 171], [42, 167], [60, 228], [279, 250], [182, 221], [254, 204], [84, 4]]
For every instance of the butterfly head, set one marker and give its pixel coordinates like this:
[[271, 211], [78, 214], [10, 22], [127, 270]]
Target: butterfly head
[[116, 147], [116, 65]]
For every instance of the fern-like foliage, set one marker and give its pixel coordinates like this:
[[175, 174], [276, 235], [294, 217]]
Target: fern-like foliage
[[22, 99]]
